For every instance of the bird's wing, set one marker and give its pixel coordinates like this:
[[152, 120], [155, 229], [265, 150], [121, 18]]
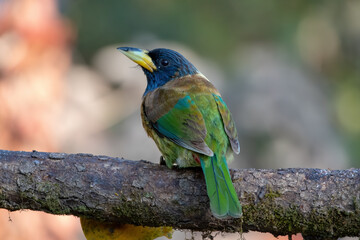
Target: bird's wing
[[174, 115], [229, 124]]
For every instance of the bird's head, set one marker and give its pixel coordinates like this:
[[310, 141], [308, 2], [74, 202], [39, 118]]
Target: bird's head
[[160, 65]]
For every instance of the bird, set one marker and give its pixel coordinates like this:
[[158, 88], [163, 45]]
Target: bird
[[190, 123]]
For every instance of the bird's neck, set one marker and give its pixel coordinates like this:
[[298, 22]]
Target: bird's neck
[[197, 82], [153, 82]]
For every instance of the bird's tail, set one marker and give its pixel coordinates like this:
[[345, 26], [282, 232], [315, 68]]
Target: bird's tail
[[223, 198]]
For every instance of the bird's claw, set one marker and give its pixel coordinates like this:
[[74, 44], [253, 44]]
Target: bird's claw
[[162, 161]]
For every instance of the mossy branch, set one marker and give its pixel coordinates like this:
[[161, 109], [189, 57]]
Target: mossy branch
[[314, 202]]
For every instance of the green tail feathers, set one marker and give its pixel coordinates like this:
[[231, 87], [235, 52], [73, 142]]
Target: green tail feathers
[[223, 198]]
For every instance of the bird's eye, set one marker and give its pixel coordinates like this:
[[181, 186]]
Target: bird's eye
[[164, 62]]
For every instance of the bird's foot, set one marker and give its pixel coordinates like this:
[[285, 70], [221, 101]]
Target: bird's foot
[[175, 167], [162, 161]]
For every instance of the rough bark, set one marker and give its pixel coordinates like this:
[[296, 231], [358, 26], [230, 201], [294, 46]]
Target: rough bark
[[315, 202]]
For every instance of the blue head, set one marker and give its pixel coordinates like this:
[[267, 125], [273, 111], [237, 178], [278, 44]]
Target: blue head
[[160, 65]]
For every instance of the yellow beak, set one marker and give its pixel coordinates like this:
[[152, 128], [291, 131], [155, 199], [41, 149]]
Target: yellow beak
[[139, 56]]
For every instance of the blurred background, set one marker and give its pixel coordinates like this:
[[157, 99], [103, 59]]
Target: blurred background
[[288, 70]]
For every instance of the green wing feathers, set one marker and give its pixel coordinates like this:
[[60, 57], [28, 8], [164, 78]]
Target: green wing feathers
[[229, 124], [185, 126], [223, 198]]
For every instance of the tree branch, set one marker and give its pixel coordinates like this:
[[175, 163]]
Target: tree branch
[[314, 202]]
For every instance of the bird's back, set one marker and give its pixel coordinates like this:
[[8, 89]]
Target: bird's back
[[160, 101]]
